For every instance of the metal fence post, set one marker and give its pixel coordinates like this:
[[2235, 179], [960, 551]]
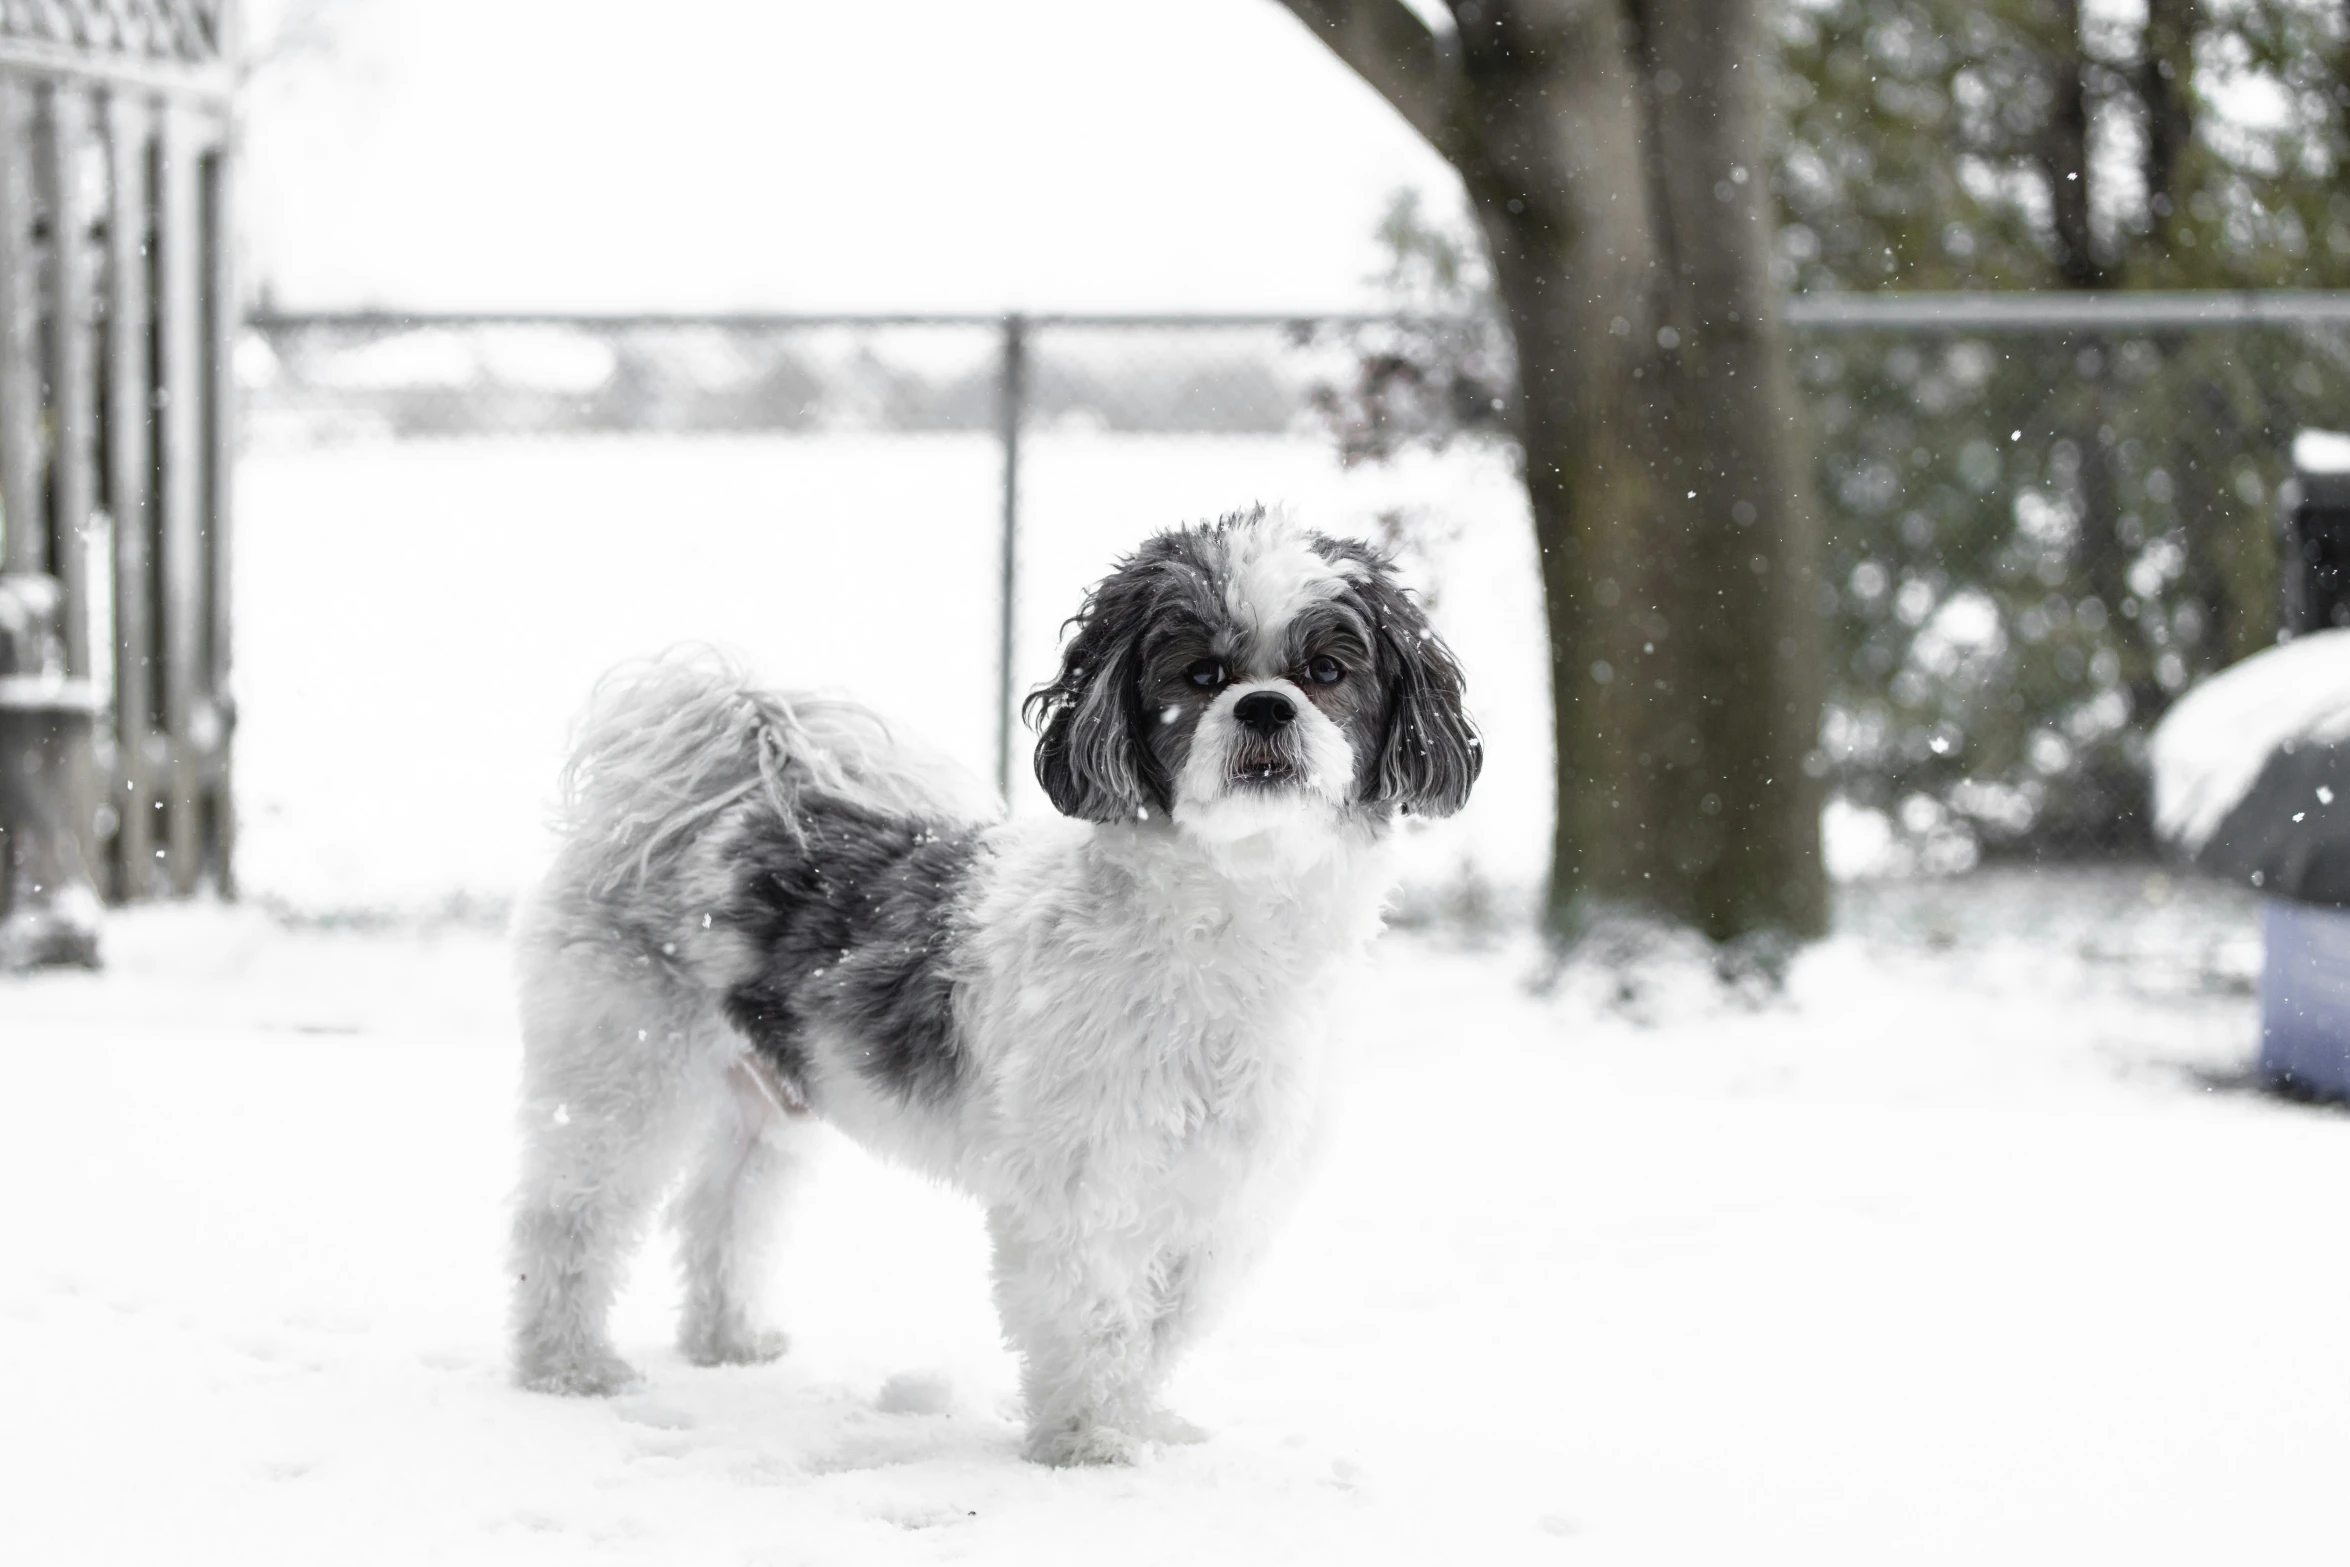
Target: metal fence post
[[1010, 395]]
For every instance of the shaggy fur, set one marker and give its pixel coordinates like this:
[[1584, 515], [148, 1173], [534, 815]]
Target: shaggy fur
[[1108, 1028]]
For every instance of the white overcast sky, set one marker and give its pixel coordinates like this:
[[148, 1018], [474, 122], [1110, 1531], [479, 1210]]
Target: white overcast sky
[[927, 154]]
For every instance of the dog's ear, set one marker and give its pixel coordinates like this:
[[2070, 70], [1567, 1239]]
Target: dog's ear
[[1090, 757], [1429, 753]]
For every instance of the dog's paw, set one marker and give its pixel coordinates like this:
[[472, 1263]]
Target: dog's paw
[[577, 1376], [1164, 1425], [1074, 1445], [739, 1346]]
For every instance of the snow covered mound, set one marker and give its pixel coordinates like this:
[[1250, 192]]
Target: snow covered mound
[[2210, 750]]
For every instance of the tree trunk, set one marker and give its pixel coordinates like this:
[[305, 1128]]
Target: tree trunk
[[1613, 152], [2064, 151], [2165, 77]]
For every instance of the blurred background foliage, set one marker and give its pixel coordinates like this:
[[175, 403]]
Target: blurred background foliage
[[2031, 541]]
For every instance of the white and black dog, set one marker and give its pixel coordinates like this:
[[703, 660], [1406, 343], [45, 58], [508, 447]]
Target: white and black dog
[[1109, 1029]]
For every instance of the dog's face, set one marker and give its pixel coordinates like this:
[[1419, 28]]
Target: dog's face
[[1247, 674]]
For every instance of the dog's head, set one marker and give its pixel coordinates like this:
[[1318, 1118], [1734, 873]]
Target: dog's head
[[1245, 674]]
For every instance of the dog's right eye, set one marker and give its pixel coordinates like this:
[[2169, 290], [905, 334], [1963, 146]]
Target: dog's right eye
[[1205, 673]]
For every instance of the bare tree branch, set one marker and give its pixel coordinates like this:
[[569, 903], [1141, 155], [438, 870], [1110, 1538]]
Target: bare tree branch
[[1388, 46]]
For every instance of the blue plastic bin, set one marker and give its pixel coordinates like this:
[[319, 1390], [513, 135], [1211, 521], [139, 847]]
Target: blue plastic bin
[[2305, 998]]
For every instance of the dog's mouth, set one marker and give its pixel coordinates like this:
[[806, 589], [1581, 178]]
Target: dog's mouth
[[1255, 769]]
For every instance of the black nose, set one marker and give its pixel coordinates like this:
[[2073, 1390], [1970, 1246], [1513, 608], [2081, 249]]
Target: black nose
[[1266, 712]]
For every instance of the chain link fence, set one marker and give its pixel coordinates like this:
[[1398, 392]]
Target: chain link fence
[[312, 380], [2041, 524]]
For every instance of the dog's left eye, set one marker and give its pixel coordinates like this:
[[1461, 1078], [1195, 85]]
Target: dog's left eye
[[1325, 671], [1205, 673]]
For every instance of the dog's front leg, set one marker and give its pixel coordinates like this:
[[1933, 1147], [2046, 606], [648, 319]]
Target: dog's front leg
[[1191, 1284], [1081, 1321]]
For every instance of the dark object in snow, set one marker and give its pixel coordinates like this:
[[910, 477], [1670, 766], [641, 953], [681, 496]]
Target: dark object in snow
[[2252, 783], [2252, 771], [2252, 767], [2305, 1000], [2316, 566], [48, 907], [2290, 833]]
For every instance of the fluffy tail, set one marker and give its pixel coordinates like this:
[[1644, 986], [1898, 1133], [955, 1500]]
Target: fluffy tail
[[667, 745]]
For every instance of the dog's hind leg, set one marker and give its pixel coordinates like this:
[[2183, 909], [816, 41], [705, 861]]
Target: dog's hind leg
[[727, 1216], [609, 1080]]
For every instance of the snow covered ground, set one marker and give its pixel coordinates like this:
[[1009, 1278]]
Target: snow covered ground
[[1962, 1252]]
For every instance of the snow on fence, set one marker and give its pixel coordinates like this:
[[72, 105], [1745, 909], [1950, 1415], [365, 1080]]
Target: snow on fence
[[2043, 518], [115, 409]]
